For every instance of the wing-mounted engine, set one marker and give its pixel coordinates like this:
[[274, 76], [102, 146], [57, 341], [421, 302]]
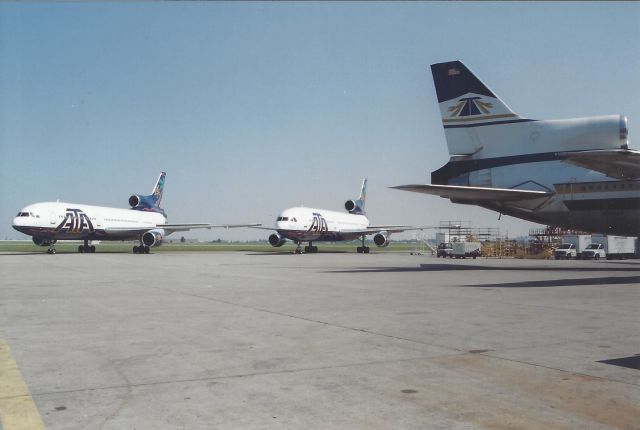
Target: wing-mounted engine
[[276, 240], [381, 239], [41, 241], [153, 238]]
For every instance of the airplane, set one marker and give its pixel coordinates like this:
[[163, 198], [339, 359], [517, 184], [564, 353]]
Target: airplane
[[146, 221], [301, 224], [574, 173]]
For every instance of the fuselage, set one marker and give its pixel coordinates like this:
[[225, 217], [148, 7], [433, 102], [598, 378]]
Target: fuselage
[[73, 221], [529, 155], [584, 200], [302, 224]]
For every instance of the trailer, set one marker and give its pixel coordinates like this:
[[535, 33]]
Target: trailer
[[610, 247], [466, 249]]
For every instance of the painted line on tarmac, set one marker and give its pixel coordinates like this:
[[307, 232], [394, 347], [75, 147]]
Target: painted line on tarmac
[[17, 408]]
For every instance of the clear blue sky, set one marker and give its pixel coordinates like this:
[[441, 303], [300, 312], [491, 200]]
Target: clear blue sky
[[251, 108]]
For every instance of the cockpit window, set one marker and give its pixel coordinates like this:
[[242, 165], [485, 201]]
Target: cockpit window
[[24, 214], [294, 219], [283, 218]]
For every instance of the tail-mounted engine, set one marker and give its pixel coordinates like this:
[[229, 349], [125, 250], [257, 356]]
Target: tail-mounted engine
[[152, 238], [276, 240], [381, 239], [354, 206], [136, 201], [41, 241]]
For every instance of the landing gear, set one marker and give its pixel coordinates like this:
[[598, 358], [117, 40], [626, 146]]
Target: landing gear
[[310, 249], [362, 249], [86, 248], [298, 249], [52, 247], [141, 249]]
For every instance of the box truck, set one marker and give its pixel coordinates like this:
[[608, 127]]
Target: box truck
[[572, 246], [610, 247], [466, 249]]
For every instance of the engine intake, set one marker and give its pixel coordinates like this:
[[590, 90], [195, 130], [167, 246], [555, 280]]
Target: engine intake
[[276, 240], [134, 200], [152, 238], [350, 206], [381, 240]]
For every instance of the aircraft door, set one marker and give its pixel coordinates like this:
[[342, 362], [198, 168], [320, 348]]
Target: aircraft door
[[53, 217]]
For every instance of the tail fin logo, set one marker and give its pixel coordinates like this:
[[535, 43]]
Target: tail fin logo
[[469, 106], [157, 190]]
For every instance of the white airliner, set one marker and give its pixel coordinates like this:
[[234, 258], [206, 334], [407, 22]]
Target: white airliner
[[49, 222], [574, 173], [302, 224]]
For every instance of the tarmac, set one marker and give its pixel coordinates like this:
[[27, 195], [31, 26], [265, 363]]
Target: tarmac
[[320, 341]]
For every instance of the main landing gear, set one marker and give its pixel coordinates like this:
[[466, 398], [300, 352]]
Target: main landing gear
[[86, 248], [362, 249], [142, 249], [310, 249]]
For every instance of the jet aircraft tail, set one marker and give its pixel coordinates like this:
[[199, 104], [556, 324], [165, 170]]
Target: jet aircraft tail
[[158, 189], [465, 104], [357, 206], [152, 201]]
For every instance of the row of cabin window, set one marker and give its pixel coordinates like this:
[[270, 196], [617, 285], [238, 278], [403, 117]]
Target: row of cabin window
[[286, 218]]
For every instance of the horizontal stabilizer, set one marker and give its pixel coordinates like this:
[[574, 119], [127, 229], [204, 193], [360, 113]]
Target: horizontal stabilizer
[[615, 163], [456, 192]]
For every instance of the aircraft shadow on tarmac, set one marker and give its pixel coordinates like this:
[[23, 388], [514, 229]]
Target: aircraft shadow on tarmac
[[603, 280], [610, 280], [455, 267]]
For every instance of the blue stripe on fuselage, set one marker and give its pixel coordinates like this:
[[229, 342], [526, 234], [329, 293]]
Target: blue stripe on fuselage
[[512, 121], [454, 169]]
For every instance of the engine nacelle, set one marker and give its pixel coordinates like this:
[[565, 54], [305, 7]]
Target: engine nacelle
[[152, 238], [381, 240], [41, 241], [135, 200], [276, 240], [350, 206]]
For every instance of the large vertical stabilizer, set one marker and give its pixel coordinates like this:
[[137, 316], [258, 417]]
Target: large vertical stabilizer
[[357, 206], [466, 103]]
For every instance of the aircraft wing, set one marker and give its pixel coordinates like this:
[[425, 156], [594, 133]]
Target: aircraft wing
[[379, 228], [615, 163], [458, 192], [171, 228]]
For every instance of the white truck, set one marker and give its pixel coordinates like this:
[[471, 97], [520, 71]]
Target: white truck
[[572, 246], [565, 251], [610, 247], [444, 250], [466, 249]]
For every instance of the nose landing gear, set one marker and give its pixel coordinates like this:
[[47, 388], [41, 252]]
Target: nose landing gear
[[52, 247]]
